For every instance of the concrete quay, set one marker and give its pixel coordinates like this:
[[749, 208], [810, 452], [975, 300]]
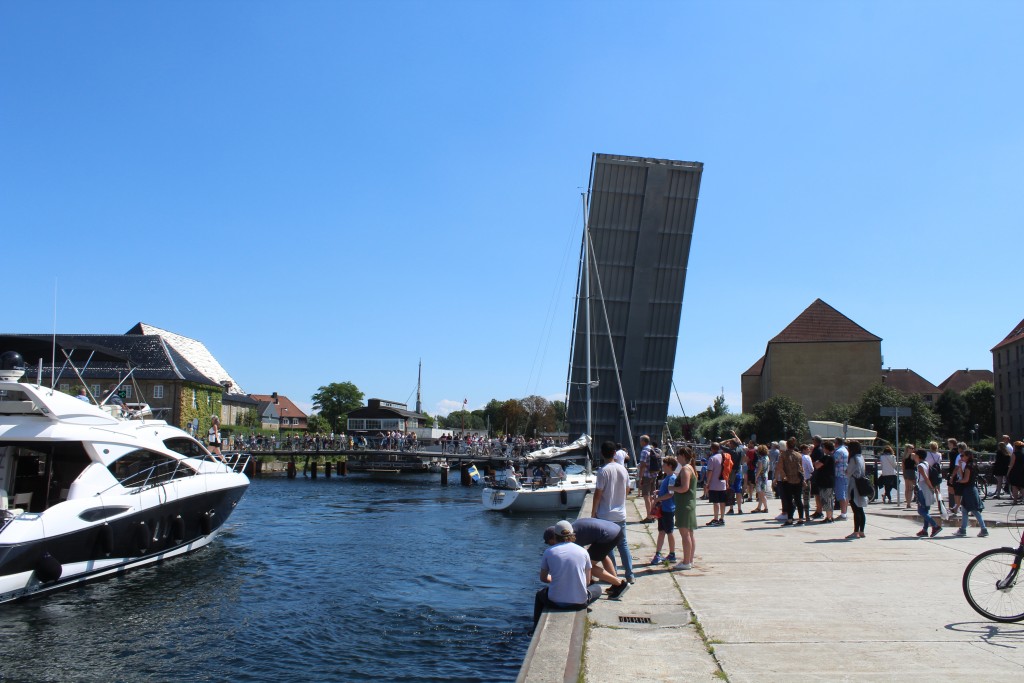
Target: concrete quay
[[801, 603]]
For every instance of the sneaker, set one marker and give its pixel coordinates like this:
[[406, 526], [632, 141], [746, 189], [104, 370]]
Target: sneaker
[[631, 579], [960, 532], [935, 531], [788, 522], [615, 591], [983, 533], [682, 565], [780, 518], [730, 512], [721, 522], [843, 517], [713, 522], [817, 515], [922, 533], [671, 557], [658, 559], [799, 522]]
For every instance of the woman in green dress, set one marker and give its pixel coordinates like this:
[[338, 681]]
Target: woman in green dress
[[685, 497]]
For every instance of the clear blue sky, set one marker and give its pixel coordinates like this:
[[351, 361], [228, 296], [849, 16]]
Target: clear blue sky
[[330, 191]]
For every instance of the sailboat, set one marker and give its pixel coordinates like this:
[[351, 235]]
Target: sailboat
[[568, 488]]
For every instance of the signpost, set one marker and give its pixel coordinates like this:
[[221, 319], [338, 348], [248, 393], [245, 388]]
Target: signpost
[[896, 412]]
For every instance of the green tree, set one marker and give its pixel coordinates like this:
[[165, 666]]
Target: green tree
[[952, 411], [921, 426], [837, 412], [513, 417], [779, 418], [317, 424], [560, 422], [722, 427], [250, 418], [335, 401], [463, 419], [981, 408], [540, 416]]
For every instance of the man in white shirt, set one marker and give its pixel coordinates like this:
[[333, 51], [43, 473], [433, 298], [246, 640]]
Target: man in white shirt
[[610, 501], [566, 567], [621, 456]]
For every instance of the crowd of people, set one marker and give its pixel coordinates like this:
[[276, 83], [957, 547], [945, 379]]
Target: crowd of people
[[829, 474]]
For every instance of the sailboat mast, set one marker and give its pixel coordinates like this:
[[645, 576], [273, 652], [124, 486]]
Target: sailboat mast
[[586, 302], [419, 383]]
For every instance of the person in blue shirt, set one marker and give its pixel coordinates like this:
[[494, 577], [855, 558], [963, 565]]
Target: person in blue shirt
[[666, 523]]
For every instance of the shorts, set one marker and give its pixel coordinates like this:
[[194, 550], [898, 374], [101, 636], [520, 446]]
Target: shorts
[[737, 484], [599, 551], [841, 488], [647, 485], [666, 522], [717, 496]]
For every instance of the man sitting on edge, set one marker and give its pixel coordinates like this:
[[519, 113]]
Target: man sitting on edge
[[566, 567]]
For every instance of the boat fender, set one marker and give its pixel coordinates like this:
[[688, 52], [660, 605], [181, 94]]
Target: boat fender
[[106, 539], [178, 529], [142, 537], [206, 522], [48, 568], [564, 497]]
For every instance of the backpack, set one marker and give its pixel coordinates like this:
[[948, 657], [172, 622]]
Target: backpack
[[726, 465], [935, 474], [654, 462]]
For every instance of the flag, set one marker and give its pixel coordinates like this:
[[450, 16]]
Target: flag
[[464, 402], [473, 473]]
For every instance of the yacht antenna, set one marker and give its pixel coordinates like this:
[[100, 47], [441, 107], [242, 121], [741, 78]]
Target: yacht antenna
[[53, 349]]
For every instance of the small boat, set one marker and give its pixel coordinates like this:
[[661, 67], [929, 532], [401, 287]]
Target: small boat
[[564, 489], [93, 493]]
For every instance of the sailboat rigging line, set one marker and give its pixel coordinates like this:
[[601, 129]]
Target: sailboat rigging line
[[53, 350], [611, 346], [549, 319], [678, 399], [575, 320]]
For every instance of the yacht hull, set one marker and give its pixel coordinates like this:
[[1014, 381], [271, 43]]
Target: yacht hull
[[41, 563]]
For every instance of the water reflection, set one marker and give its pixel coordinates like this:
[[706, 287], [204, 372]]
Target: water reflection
[[340, 579]]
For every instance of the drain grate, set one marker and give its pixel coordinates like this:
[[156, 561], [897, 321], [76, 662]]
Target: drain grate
[[634, 620]]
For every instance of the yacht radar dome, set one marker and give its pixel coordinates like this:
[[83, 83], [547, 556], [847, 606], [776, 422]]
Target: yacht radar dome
[[12, 366]]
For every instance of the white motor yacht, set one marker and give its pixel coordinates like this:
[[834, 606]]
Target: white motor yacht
[[86, 493]]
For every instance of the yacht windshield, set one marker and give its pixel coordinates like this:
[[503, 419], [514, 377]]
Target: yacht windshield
[[142, 469]]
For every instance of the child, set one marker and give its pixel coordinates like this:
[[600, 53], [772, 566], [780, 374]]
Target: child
[[666, 523]]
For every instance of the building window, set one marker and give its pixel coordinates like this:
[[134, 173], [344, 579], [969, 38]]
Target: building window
[[66, 388], [127, 390], [158, 391], [95, 389]]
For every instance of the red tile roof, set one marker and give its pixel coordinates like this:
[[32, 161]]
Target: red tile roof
[[908, 381], [961, 380], [1016, 335], [822, 323], [283, 403], [756, 369]]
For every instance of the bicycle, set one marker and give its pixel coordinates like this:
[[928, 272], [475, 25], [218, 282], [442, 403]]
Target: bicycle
[[990, 580]]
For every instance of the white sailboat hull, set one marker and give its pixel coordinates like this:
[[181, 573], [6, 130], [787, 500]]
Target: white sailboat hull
[[567, 497]]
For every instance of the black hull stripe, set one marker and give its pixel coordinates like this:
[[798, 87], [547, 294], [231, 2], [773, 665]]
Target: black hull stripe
[[153, 528]]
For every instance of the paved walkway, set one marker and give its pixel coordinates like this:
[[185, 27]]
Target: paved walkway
[[766, 603]]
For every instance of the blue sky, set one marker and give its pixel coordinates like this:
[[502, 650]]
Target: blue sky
[[330, 191]]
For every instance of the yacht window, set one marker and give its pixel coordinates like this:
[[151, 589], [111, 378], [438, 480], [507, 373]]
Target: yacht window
[[142, 469], [185, 446], [43, 469]]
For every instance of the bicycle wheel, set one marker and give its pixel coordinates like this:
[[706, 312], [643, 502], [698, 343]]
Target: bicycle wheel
[[981, 585], [989, 485]]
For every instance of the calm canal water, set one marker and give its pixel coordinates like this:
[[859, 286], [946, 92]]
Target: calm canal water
[[347, 579]]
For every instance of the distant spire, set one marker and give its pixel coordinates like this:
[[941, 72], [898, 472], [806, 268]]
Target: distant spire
[[419, 381]]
